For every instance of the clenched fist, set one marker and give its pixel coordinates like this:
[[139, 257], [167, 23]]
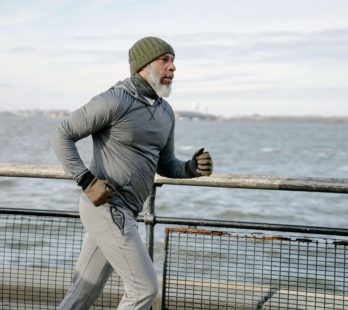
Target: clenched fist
[[201, 164], [99, 191]]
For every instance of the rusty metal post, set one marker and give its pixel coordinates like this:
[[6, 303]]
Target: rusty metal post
[[149, 220]]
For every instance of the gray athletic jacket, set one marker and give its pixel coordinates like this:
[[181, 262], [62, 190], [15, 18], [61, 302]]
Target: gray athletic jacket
[[131, 141]]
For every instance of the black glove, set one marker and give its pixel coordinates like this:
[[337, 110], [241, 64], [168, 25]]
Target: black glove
[[98, 191], [201, 164]]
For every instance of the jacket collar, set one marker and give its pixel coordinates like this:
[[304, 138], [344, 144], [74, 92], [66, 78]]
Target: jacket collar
[[128, 85]]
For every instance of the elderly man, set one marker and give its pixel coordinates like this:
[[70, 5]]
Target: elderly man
[[132, 127]]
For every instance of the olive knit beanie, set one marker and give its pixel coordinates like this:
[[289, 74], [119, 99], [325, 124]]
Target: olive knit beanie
[[146, 50]]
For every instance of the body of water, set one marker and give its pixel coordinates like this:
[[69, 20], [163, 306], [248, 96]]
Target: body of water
[[250, 147]]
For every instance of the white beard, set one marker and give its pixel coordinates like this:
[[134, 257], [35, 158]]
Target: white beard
[[155, 81]]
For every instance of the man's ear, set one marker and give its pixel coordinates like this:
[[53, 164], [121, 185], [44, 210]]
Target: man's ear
[[142, 73]]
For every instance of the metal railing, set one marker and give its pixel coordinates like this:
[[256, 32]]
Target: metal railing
[[328, 185], [325, 185], [38, 251], [206, 269]]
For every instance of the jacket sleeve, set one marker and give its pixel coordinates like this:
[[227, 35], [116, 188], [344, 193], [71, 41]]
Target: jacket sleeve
[[89, 119], [168, 165]]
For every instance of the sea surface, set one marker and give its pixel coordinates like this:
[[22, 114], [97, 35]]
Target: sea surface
[[247, 147], [296, 148]]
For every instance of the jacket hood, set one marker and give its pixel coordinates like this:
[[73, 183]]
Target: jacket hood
[[130, 88]]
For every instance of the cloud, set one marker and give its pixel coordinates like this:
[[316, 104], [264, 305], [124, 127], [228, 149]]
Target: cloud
[[18, 19], [5, 86], [23, 50], [328, 46], [84, 56], [78, 55], [225, 51], [202, 48]]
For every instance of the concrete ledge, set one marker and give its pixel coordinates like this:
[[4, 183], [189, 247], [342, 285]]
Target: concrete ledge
[[22, 287], [299, 300], [214, 295]]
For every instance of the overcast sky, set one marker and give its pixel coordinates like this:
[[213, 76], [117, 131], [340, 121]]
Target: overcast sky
[[287, 57]]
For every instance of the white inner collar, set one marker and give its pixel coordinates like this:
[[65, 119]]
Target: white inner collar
[[151, 101]]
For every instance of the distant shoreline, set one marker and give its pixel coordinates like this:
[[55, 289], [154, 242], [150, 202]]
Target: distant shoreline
[[256, 117], [198, 116]]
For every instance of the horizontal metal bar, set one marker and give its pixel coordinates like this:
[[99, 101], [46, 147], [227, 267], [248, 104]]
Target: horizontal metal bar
[[52, 213], [328, 185], [252, 225], [197, 222], [38, 212], [31, 171]]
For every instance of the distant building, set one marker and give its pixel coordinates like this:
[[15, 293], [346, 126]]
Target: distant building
[[193, 115]]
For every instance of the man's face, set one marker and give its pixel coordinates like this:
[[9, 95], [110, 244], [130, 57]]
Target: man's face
[[160, 74]]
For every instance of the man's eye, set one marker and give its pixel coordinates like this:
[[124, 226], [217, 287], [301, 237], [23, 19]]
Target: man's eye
[[166, 59]]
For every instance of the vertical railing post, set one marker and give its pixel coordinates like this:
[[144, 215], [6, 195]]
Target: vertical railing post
[[149, 220]]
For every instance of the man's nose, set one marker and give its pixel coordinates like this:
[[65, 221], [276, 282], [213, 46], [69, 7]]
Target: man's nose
[[172, 67]]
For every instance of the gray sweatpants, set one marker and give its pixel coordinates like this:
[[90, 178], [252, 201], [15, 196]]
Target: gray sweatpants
[[105, 249]]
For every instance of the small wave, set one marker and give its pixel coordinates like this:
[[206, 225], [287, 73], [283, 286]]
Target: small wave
[[268, 150], [322, 155], [186, 148], [343, 168], [7, 183]]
